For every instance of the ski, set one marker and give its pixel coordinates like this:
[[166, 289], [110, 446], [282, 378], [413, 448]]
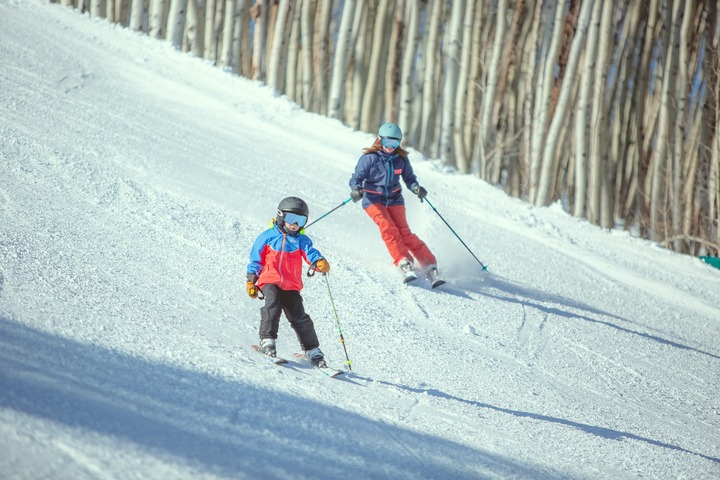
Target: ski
[[276, 360], [327, 371], [436, 282], [410, 278]]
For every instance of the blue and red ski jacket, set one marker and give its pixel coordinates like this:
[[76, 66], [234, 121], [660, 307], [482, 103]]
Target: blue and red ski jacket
[[277, 258], [378, 174]]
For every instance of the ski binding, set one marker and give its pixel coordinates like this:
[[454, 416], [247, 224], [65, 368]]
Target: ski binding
[[327, 371], [276, 360]]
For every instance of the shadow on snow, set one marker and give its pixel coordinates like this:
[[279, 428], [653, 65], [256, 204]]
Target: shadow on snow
[[234, 429], [537, 299], [602, 432]]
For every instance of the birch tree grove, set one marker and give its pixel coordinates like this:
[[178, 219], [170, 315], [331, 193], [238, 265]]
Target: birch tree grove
[[610, 108]]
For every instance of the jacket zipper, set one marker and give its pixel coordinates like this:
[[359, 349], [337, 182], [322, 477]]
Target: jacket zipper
[[282, 254], [387, 180]]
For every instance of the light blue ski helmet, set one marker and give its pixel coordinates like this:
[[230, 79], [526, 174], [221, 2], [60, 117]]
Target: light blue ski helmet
[[390, 135]]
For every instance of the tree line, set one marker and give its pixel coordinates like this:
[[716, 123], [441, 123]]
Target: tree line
[[609, 107]]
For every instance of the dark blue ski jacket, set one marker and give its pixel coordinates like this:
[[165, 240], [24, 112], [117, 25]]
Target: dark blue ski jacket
[[378, 174]]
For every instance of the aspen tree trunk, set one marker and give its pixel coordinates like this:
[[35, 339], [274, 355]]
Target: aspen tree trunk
[[581, 117], [562, 181], [260, 13], [176, 22], [681, 120], [122, 12], [228, 35], [452, 65], [157, 19], [322, 56], [488, 102], [714, 180], [418, 77], [692, 205], [218, 30], [438, 74], [194, 33], [306, 43], [710, 133], [461, 98], [503, 109], [542, 103], [620, 136], [644, 130], [549, 165], [625, 131], [429, 97], [110, 14], [393, 64], [272, 8], [474, 81], [407, 90], [660, 164], [342, 50], [351, 103], [242, 54], [528, 74], [276, 68], [569, 27], [516, 122], [597, 185], [359, 65], [292, 87], [369, 117], [211, 34], [98, 8], [139, 15]]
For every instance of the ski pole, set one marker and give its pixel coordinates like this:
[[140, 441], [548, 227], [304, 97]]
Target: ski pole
[[328, 213], [337, 321], [453, 231]]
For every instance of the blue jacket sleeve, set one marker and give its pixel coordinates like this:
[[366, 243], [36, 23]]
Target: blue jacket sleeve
[[312, 253], [409, 176], [361, 172]]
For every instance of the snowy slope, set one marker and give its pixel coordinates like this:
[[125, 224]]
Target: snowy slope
[[133, 180]]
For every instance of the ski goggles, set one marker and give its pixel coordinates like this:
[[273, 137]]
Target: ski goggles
[[390, 142], [291, 218]]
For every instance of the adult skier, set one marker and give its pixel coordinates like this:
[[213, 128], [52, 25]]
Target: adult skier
[[376, 181]]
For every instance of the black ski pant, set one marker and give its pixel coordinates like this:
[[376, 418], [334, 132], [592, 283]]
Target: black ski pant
[[290, 302]]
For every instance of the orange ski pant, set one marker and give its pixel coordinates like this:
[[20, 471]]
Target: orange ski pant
[[395, 232]]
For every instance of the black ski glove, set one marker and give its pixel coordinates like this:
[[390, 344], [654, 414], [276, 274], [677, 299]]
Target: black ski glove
[[356, 194], [420, 192]]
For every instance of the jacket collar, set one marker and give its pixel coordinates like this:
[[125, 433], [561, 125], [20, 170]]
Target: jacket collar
[[386, 156]]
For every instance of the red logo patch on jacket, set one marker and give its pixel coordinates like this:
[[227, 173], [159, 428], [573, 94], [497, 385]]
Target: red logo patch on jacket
[[398, 171]]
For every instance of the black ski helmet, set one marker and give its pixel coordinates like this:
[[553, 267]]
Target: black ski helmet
[[294, 205]]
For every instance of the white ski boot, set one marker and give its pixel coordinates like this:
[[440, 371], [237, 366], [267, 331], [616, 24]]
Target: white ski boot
[[267, 347], [407, 270], [434, 276]]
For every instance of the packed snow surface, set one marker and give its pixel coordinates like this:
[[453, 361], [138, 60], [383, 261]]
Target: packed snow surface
[[134, 179]]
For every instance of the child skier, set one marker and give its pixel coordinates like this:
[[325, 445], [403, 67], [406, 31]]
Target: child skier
[[275, 270]]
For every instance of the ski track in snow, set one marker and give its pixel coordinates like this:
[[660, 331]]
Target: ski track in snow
[[134, 180]]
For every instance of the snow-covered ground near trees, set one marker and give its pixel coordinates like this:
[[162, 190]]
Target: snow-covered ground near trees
[[133, 181]]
